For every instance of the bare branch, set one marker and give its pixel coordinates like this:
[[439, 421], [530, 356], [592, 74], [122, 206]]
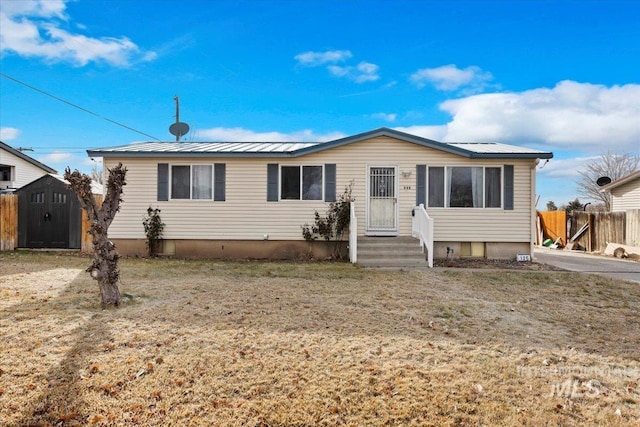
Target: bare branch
[[613, 165]]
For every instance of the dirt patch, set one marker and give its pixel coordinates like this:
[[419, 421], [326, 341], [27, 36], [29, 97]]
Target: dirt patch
[[502, 264], [284, 344]]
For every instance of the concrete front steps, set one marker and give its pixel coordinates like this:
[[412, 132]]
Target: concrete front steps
[[390, 252]]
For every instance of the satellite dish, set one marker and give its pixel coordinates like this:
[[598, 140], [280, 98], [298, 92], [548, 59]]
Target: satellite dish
[[603, 180], [178, 129]]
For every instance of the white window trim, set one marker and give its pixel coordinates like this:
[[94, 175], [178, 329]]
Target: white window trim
[[191, 165], [300, 166], [446, 192]]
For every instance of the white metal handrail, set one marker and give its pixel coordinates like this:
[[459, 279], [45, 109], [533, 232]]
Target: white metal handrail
[[422, 228], [353, 233]]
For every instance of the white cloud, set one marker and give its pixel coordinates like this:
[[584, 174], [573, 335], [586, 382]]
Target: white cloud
[[450, 77], [33, 28], [59, 160], [366, 72], [35, 8], [388, 117], [315, 59], [563, 168], [339, 71], [571, 115], [247, 135], [8, 133], [363, 72], [56, 157]]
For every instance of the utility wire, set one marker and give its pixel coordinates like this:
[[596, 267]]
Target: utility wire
[[76, 106]]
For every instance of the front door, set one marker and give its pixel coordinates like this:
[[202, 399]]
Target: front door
[[382, 201]]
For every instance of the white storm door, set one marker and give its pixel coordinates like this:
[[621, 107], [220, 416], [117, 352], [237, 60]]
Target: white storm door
[[382, 201]]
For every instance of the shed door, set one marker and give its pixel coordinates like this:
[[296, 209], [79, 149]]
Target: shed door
[[382, 217], [47, 218], [58, 222]]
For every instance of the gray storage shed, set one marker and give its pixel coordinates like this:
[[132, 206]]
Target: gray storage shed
[[49, 215]]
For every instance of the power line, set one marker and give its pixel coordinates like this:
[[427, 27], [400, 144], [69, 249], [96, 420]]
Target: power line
[[77, 106]]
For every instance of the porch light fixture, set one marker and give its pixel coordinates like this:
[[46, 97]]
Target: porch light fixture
[[406, 174]]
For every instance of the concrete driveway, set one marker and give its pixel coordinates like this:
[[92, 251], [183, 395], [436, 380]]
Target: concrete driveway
[[586, 263]]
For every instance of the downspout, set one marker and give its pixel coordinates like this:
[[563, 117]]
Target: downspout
[[534, 215]]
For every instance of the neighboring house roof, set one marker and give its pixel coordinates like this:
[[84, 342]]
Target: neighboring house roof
[[295, 149], [23, 156], [620, 181], [96, 187]]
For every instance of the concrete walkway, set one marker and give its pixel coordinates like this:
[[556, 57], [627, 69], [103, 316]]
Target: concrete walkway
[[587, 263]]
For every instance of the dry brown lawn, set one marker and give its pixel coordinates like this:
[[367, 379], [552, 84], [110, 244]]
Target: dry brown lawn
[[208, 343]]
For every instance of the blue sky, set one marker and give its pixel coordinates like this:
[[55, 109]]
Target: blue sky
[[561, 76]]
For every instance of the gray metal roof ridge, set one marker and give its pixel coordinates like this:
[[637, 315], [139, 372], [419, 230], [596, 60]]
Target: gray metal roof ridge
[[312, 147]]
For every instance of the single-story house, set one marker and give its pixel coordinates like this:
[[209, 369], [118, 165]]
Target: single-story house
[[241, 199], [18, 169], [625, 192]]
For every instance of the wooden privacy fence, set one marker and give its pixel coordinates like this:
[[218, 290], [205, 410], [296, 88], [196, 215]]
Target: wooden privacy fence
[[9, 224], [86, 242], [552, 225], [8, 221], [603, 227], [633, 227]]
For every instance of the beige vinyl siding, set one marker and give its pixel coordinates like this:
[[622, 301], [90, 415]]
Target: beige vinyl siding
[[244, 215], [247, 215], [24, 172], [626, 196]]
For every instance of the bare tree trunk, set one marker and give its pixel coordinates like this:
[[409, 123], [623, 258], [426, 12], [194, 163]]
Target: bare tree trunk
[[104, 268]]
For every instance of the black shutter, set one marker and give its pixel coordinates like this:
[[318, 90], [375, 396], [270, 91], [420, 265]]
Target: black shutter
[[219, 170], [163, 182], [508, 187], [330, 182], [421, 185], [272, 182]]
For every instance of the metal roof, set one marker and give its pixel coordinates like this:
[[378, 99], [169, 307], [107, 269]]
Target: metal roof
[[96, 187], [493, 147], [621, 181], [296, 149], [207, 147]]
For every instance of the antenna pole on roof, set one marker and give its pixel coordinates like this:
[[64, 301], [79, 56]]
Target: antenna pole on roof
[[178, 128], [175, 98]]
